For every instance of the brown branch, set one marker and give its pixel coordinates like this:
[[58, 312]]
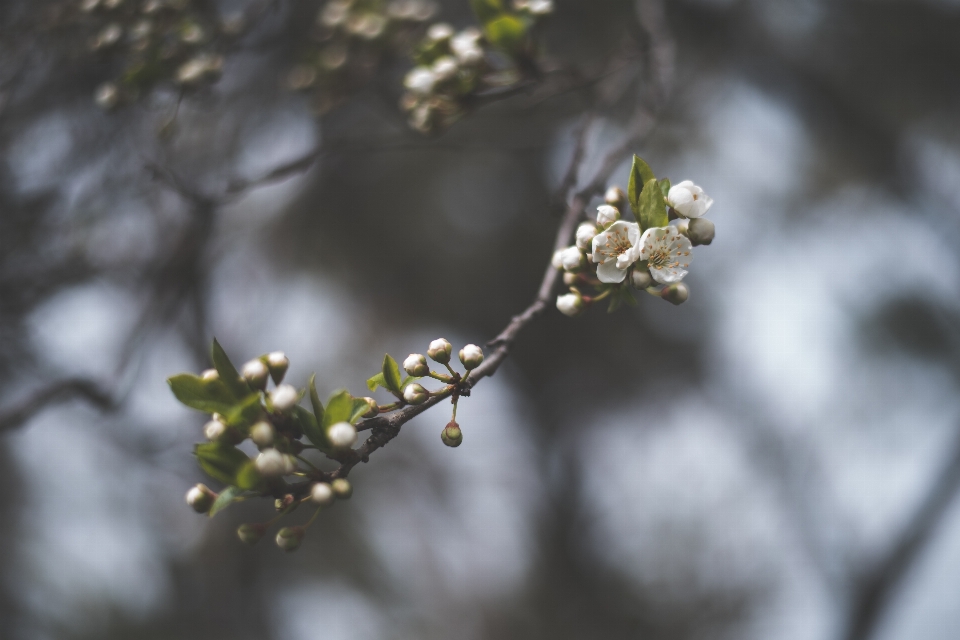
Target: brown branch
[[55, 393]]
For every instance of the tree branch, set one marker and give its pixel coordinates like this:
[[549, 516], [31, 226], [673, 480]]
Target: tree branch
[[52, 394]]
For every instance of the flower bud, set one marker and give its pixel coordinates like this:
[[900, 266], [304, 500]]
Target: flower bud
[[615, 197], [452, 436], [251, 533], [255, 373], [689, 200], [570, 279], [210, 374], [557, 260], [641, 278], [701, 231], [107, 96], [440, 32], [607, 215], [262, 434], [683, 226], [586, 232], [570, 304], [201, 498], [420, 80], [444, 68], [342, 435], [342, 488], [471, 356], [278, 364], [374, 408], [284, 398], [573, 259], [415, 394], [676, 293], [416, 365], [271, 463], [322, 494], [440, 351], [214, 431], [289, 538]]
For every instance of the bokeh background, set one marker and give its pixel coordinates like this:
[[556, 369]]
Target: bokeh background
[[777, 458]]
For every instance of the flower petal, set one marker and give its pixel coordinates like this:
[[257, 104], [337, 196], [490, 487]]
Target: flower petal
[[609, 273]]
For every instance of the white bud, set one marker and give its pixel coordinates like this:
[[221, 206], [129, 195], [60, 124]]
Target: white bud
[[210, 374], [641, 278], [607, 215], [420, 80], [342, 435], [255, 373], [557, 260], [440, 350], [284, 398], [191, 33], [107, 95], [200, 498], [572, 259], [342, 488], [701, 231], [289, 463], [374, 408], [540, 7], [192, 71], [110, 35], [262, 434], [415, 394], [322, 494], [689, 200], [676, 293], [214, 430], [683, 226], [289, 538], [444, 68], [570, 304], [466, 46], [586, 232], [278, 364], [615, 197], [471, 356], [333, 14], [440, 31], [416, 365], [271, 463]]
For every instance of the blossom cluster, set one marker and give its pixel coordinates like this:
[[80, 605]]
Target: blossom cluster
[[291, 442], [454, 67], [651, 254], [349, 41], [143, 43]]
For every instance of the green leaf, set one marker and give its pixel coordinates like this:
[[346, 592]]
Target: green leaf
[[506, 33], [315, 400], [391, 374], [615, 301], [360, 407], [311, 429], [640, 175], [228, 373], [487, 10], [653, 208], [339, 409], [408, 380], [665, 186], [245, 413], [221, 462], [377, 381], [248, 478], [227, 497], [209, 396]]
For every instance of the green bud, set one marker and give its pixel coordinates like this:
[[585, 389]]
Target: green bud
[[676, 293], [255, 373], [641, 278], [289, 538], [471, 356], [251, 533], [452, 436], [278, 364], [342, 488], [440, 351], [415, 394], [374, 409], [701, 231]]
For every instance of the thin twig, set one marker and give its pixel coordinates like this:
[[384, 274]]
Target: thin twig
[[55, 393]]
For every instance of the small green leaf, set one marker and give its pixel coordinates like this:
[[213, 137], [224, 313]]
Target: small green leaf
[[339, 409], [506, 33], [360, 407], [615, 301], [653, 208], [640, 175], [315, 400], [209, 396], [311, 429], [408, 380], [391, 374], [665, 186], [249, 478], [244, 413], [228, 373], [377, 381], [220, 461], [227, 497]]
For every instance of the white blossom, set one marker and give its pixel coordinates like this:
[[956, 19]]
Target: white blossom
[[570, 304], [615, 249], [214, 430], [271, 463], [444, 68], [415, 394], [440, 31], [689, 200], [420, 80], [607, 215], [107, 95], [471, 356], [416, 365], [667, 252], [440, 350], [571, 259], [322, 494], [262, 434], [343, 435], [586, 232], [284, 397], [466, 46]]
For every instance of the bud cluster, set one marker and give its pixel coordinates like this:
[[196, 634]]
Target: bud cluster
[[649, 254], [454, 68], [349, 40], [148, 41]]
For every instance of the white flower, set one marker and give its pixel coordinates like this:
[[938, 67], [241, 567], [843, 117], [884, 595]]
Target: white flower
[[440, 31], [343, 435], [586, 232], [284, 397], [466, 46], [571, 259], [107, 95], [262, 434], [271, 463], [556, 261], [444, 68], [214, 430], [570, 304], [607, 215], [667, 253], [689, 200], [322, 494], [536, 7], [615, 250], [420, 80], [255, 372]]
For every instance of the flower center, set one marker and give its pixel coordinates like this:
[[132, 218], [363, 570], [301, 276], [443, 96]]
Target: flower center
[[660, 259], [618, 243]]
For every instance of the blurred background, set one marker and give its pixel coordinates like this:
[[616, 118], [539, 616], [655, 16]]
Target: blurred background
[[777, 458]]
